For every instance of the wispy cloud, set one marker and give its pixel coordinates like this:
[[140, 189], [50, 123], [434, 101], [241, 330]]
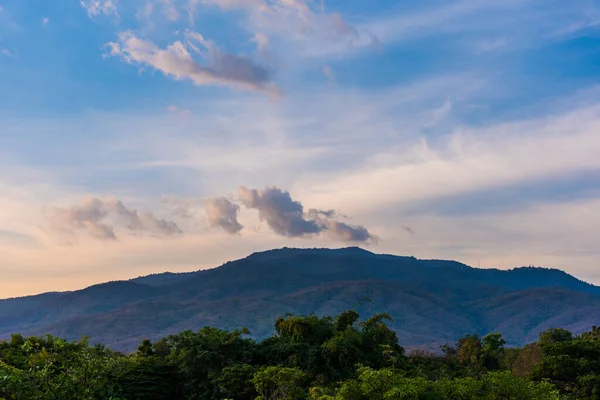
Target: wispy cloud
[[169, 10], [7, 53], [176, 61], [8, 24], [328, 72], [286, 18], [100, 7], [98, 218], [495, 24], [283, 31], [180, 112], [469, 160]]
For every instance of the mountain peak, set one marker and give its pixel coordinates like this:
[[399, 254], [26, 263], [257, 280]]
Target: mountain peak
[[422, 296]]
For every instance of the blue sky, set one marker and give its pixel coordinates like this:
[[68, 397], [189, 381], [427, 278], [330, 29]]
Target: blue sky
[[148, 135]]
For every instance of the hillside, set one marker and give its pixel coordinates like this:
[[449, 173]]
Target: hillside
[[432, 301]]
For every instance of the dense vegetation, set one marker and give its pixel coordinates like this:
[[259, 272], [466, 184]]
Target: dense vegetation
[[309, 357]]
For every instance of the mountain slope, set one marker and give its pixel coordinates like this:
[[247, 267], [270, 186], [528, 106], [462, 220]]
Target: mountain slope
[[432, 301]]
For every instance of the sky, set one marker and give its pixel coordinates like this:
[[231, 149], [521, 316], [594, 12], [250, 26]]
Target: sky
[[142, 136]]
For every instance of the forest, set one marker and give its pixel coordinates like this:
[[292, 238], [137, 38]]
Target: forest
[[309, 357]]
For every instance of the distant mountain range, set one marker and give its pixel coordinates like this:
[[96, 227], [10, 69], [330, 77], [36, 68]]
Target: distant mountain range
[[432, 302]]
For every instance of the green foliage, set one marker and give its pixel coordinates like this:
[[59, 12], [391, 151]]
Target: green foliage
[[146, 378], [50, 368], [280, 383], [573, 366], [594, 334], [330, 348], [553, 335], [523, 361], [200, 358], [387, 385], [236, 382], [310, 357]]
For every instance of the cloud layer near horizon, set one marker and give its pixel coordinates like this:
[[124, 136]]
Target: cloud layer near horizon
[[100, 219]]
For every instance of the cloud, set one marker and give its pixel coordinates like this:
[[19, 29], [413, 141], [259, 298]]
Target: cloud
[[169, 10], [98, 7], [236, 4], [7, 22], [286, 216], [328, 72], [13, 238], [283, 215], [343, 232], [222, 213], [181, 207], [99, 217], [314, 213], [337, 230], [465, 160], [490, 44], [45, 22], [180, 112], [408, 229], [175, 60], [88, 215], [145, 222], [7, 53], [262, 42], [290, 18]]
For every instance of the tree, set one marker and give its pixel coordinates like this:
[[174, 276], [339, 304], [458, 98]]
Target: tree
[[594, 334], [145, 348], [469, 350], [236, 382], [281, 383], [492, 355], [201, 356], [553, 335]]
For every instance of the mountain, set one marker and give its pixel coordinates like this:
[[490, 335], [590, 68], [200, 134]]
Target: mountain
[[431, 301]]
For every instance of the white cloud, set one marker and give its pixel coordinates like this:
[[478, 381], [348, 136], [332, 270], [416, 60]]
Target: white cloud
[[485, 25], [180, 112], [220, 68], [7, 53], [467, 160], [262, 42], [398, 25], [295, 24], [169, 10], [99, 7]]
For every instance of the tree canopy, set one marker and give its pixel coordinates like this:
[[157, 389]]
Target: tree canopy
[[310, 357]]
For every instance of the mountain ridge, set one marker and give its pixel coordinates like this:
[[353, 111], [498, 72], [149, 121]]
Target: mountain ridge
[[432, 301]]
